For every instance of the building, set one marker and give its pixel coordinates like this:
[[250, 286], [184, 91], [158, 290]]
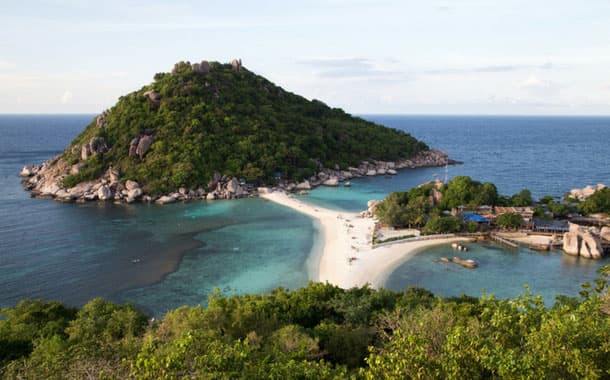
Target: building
[[527, 213]]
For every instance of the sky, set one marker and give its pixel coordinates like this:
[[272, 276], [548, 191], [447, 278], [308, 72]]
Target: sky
[[455, 57]]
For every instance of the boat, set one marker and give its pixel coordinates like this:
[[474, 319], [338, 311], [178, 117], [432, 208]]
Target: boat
[[466, 263], [540, 247], [347, 184]]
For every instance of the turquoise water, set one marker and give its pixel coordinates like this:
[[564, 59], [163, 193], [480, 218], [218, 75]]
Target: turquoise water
[[73, 253], [501, 272]]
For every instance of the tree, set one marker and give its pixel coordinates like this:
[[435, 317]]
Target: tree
[[522, 199], [442, 224], [598, 202], [510, 220]]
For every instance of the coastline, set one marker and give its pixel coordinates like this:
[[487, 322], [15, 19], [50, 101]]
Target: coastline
[[346, 257], [46, 181]]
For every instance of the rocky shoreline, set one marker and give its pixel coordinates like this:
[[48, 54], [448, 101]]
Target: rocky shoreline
[[45, 181]]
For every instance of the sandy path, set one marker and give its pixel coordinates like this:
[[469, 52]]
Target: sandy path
[[347, 258]]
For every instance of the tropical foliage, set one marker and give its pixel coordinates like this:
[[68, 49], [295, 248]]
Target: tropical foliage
[[317, 332], [235, 123]]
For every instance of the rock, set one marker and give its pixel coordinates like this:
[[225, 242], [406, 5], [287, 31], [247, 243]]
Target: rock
[[104, 193], [437, 196], [166, 199], [372, 206], [236, 64], [605, 233], [211, 196], [95, 146], [392, 172], [582, 241], [153, 97], [263, 190], [332, 181], [371, 172], [571, 243], [591, 247], [27, 171], [143, 146], [81, 189], [203, 67], [76, 168], [600, 186], [303, 185], [113, 175], [100, 120], [131, 185], [133, 146], [90, 196], [214, 181], [381, 171], [234, 187], [85, 152], [134, 193]]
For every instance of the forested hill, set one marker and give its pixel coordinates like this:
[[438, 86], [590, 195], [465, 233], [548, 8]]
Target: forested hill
[[210, 117]]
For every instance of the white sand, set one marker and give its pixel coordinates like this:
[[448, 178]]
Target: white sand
[[347, 258]]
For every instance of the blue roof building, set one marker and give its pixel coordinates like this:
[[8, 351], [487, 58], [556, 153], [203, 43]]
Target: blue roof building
[[475, 218]]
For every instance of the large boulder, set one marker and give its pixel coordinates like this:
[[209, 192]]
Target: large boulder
[[236, 64], [134, 193], [234, 187], [571, 243], [591, 247], [143, 146], [371, 172], [583, 241], [133, 146], [605, 233], [153, 97], [104, 193], [332, 181], [305, 185], [166, 199], [131, 185], [96, 145], [203, 67], [27, 171]]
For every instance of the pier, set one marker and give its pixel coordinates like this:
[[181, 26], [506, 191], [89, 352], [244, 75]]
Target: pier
[[503, 241]]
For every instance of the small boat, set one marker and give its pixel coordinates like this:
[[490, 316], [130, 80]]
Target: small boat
[[135, 261], [466, 263], [540, 247], [347, 184]]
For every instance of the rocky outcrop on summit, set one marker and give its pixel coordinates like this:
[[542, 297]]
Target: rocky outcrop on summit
[[583, 241]]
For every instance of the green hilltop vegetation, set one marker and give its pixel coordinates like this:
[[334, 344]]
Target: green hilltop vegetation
[[316, 332], [212, 117]]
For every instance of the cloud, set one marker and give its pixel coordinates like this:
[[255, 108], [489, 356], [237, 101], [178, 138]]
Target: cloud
[[537, 86], [488, 69], [6, 65], [348, 68], [66, 97]]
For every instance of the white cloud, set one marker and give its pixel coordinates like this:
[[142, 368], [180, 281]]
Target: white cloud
[[66, 97], [5, 65], [537, 86]]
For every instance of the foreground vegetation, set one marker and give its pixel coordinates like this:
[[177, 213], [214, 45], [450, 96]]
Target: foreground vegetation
[[233, 122], [317, 332]]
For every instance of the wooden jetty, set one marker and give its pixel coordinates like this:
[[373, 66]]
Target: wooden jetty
[[506, 242]]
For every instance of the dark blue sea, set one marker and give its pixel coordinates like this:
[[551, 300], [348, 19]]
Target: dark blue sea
[[73, 253]]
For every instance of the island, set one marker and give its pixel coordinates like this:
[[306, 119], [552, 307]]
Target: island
[[210, 131]]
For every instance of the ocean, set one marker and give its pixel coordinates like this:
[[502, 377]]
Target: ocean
[[74, 252]]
